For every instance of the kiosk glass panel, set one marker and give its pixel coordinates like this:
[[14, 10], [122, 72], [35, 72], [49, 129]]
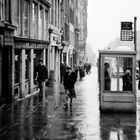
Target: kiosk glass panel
[[118, 73]]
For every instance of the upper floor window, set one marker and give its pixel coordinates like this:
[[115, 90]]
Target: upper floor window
[[2, 11], [17, 17], [41, 22], [34, 20], [5, 10], [26, 19], [46, 25], [66, 32], [51, 12]]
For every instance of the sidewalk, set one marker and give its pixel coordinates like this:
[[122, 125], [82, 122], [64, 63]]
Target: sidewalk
[[47, 118]]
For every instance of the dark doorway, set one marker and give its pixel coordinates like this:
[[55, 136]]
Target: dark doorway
[[6, 74]]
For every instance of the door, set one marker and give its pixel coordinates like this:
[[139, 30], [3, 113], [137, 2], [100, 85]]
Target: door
[[6, 74]]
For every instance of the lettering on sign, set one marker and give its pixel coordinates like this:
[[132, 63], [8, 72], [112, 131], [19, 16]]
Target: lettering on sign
[[29, 45], [126, 25]]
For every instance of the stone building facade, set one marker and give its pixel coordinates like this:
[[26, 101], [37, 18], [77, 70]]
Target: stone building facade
[[28, 42], [31, 30], [82, 26]]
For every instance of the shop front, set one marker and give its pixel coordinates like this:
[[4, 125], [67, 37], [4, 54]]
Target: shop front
[[55, 57], [26, 56]]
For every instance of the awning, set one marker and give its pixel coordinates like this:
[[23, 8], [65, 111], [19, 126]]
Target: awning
[[65, 49]]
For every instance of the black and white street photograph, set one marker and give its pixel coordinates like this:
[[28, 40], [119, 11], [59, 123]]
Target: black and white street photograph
[[69, 70]]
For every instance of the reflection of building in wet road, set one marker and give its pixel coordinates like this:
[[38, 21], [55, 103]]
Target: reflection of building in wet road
[[46, 118]]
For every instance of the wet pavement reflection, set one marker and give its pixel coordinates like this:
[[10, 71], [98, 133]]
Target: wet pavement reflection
[[47, 118]]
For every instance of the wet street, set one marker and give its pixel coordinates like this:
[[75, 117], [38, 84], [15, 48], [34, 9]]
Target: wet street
[[48, 119]]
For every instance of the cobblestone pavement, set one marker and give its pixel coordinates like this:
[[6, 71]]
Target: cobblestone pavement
[[47, 118]]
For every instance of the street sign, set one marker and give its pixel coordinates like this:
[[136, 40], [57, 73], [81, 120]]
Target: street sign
[[126, 25], [126, 31]]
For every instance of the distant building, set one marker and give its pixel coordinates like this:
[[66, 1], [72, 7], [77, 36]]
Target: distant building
[[90, 56], [82, 26]]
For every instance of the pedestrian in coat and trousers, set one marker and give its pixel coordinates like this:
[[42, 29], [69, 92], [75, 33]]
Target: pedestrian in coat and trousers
[[69, 82], [41, 75]]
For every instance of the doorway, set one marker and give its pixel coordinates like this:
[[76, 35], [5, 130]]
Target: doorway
[[6, 74]]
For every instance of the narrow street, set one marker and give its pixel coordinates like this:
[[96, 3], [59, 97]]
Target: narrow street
[[48, 119]]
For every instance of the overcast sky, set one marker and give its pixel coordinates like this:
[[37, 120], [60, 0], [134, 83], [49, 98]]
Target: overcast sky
[[104, 18]]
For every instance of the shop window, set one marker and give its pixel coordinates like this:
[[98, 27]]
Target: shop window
[[34, 20], [27, 64], [17, 65], [118, 74], [26, 19], [47, 58], [37, 55]]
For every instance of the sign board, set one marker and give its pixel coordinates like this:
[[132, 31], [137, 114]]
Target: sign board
[[126, 31], [126, 35], [126, 25]]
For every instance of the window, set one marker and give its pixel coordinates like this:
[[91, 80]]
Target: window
[[52, 16], [66, 33], [26, 19], [17, 65], [55, 9], [41, 23], [17, 16], [34, 20], [118, 73], [46, 25], [7, 10], [27, 55], [2, 11]]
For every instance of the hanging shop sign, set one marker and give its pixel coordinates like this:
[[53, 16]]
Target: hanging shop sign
[[55, 40]]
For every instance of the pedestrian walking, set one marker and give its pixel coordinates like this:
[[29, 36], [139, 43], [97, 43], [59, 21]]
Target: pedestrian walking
[[69, 82], [41, 75], [81, 70]]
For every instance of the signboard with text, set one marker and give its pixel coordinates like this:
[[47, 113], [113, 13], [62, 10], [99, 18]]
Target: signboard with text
[[126, 31], [126, 25]]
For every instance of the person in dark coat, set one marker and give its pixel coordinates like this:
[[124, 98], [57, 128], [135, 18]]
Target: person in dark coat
[[41, 74], [69, 82], [127, 81], [107, 77], [81, 70]]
